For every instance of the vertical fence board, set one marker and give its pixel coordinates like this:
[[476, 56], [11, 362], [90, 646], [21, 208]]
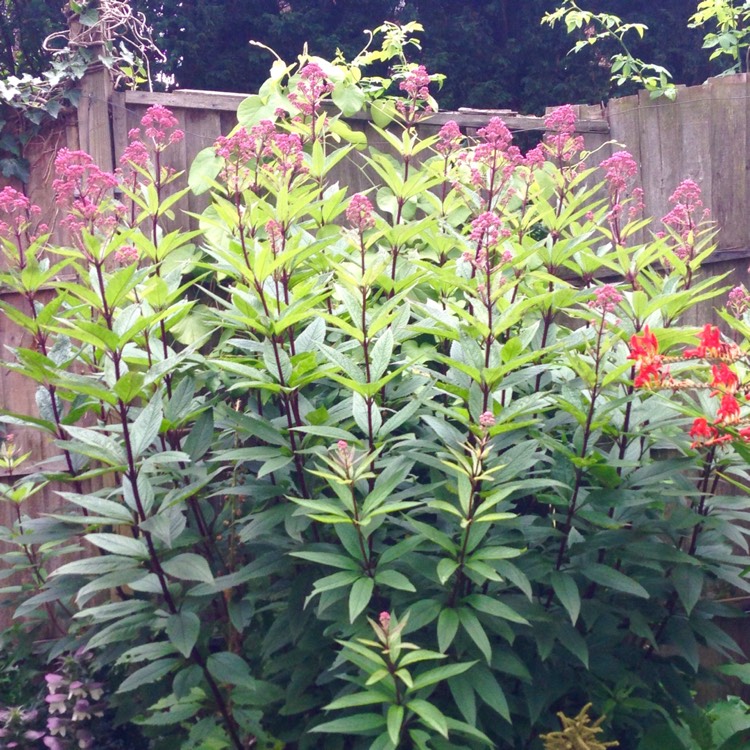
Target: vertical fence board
[[728, 128]]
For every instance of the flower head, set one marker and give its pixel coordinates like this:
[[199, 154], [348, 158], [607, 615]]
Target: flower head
[[486, 420], [160, 126], [312, 87], [738, 301], [449, 138], [359, 213], [606, 298], [644, 350], [560, 140]]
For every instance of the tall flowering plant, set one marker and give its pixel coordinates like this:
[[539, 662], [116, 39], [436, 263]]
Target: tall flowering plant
[[379, 466]]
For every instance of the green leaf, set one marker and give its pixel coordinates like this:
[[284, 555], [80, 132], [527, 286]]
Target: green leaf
[[201, 436], [119, 544], [614, 579], [430, 715], [688, 582], [359, 596], [567, 592], [357, 724], [227, 667], [431, 676], [447, 628], [489, 690], [182, 630], [146, 427], [445, 569], [328, 558], [490, 606], [348, 98], [394, 721], [358, 699], [148, 674], [473, 627], [188, 567], [394, 580]]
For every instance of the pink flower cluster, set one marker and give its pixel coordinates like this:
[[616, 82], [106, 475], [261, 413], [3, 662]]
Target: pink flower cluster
[[486, 420], [126, 255], [83, 189], [416, 86], [20, 213], [486, 229], [619, 171], [449, 139], [687, 211], [71, 704], [275, 233], [738, 301], [160, 126], [262, 147], [560, 140], [606, 299], [311, 89], [359, 213]]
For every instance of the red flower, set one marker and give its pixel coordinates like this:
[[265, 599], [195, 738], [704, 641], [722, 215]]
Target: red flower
[[643, 347], [729, 409], [644, 350], [649, 373], [711, 345], [723, 376], [702, 429]]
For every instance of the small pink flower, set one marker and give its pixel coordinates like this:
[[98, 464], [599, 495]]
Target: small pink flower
[[620, 170], [738, 301], [275, 233], [416, 83], [359, 213], [161, 127], [606, 298], [57, 703], [485, 229], [486, 420], [385, 620], [311, 89], [126, 255], [450, 138]]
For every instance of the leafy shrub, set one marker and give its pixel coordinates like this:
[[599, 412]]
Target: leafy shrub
[[382, 468]]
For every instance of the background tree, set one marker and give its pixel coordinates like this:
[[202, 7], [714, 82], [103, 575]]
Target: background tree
[[497, 52]]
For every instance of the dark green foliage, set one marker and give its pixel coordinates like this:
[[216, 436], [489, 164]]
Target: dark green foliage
[[497, 52]]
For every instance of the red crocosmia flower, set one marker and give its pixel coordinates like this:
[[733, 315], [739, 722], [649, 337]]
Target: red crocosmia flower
[[744, 433], [649, 373], [723, 376], [710, 346], [729, 409], [643, 347], [644, 350], [702, 429]]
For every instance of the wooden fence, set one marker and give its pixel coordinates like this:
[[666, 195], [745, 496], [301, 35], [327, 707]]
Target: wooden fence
[[704, 134]]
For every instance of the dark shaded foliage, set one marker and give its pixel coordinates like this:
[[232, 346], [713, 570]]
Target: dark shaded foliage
[[495, 52]]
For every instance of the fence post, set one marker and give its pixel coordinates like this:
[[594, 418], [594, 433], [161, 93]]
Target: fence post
[[94, 131]]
